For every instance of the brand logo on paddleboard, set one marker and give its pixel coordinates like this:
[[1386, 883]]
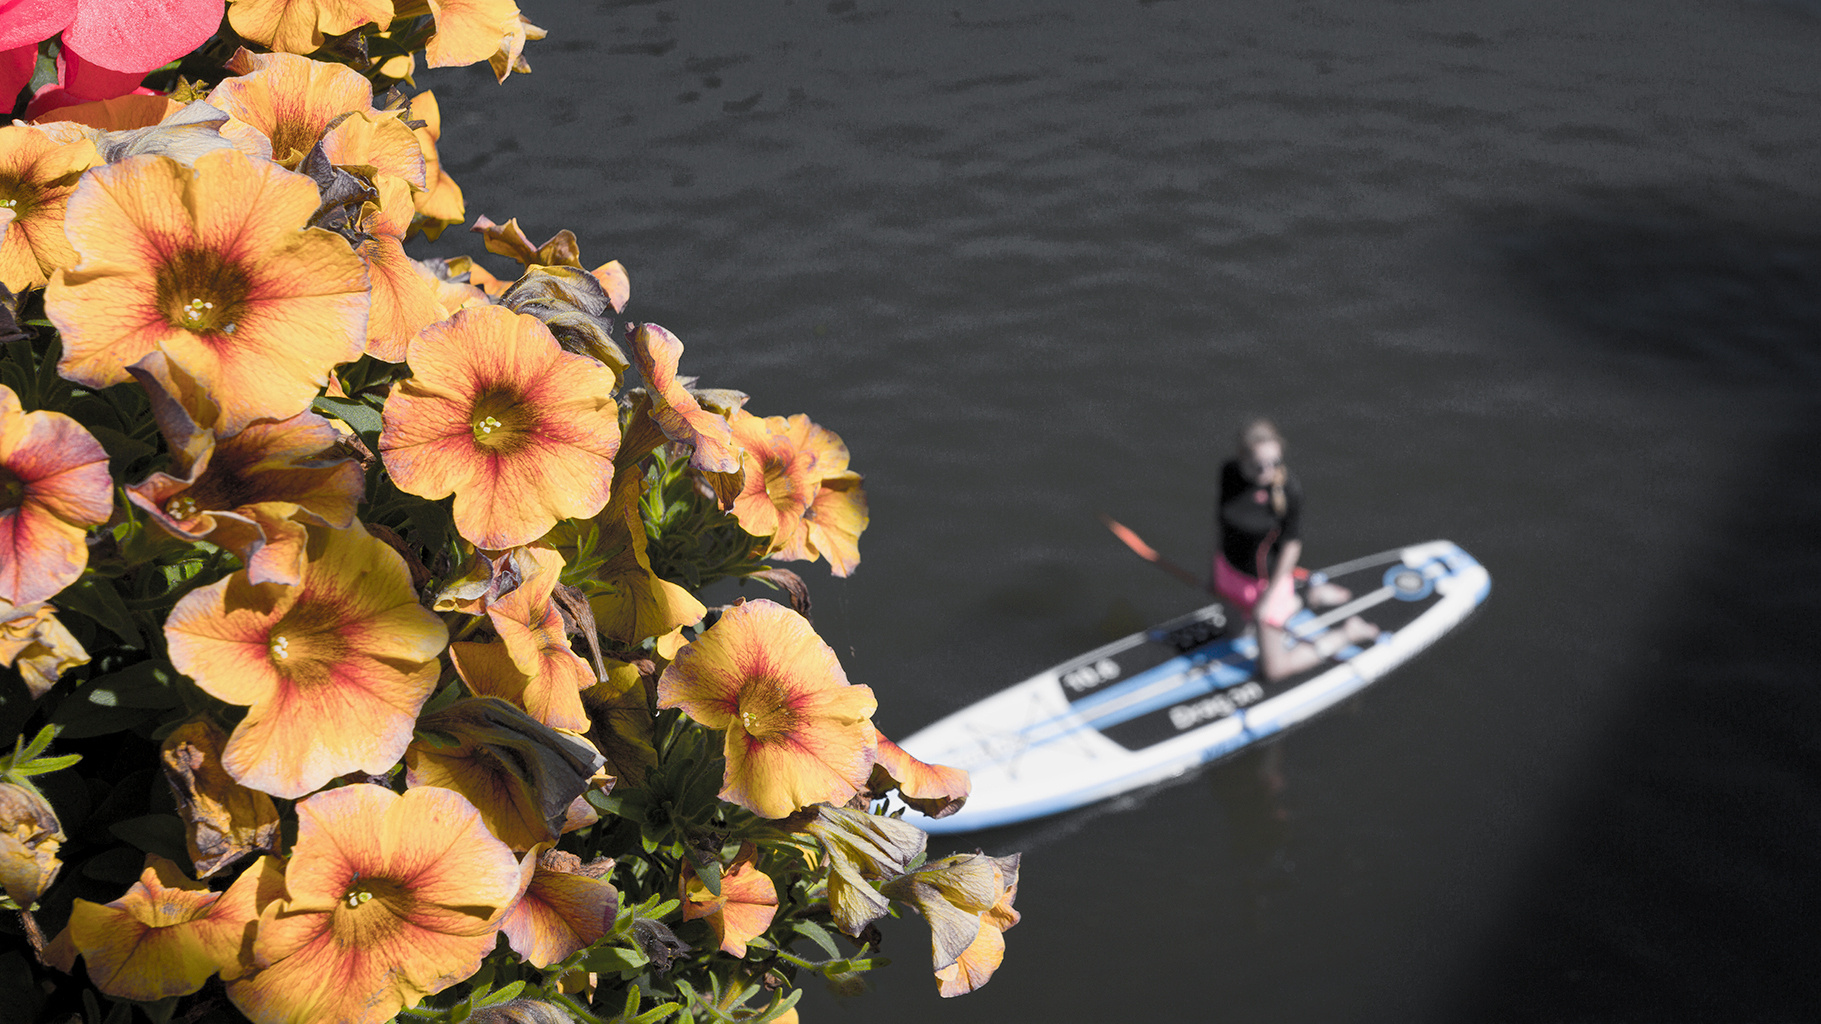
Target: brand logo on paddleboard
[[1215, 707], [1086, 677]]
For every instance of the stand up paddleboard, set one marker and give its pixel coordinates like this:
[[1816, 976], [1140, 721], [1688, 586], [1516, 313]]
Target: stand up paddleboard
[[1156, 704]]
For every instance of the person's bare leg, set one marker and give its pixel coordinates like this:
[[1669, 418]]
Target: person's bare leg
[[1279, 661], [1328, 595]]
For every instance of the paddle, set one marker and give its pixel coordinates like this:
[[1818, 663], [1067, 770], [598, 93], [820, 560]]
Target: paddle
[[1149, 554]]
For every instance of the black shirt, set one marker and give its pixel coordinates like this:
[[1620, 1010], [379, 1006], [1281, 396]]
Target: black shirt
[[1247, 523]]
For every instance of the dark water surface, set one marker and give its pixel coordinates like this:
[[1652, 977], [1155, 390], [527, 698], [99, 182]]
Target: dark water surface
[[1541, 277]]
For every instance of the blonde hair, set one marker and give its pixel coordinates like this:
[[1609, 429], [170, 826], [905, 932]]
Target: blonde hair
[[1263, 431]]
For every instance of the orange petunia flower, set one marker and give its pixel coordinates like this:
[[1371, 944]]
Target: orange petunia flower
[[470, 31], [30, 839], [797, 732], [166, 936], [54, 485], [563, 907], [406, 297], [677, 412], [300, 26], [630, 603], [532, 665], [524, 776], [745, 907], [976, 964], [798, 490], [333, 670], [389, 899], [37, 176], [496, 413], [280, 104], [223, 820], [251, 493], [36, 644], [936, 790], [440, 204], [215, 268], [961, 897]]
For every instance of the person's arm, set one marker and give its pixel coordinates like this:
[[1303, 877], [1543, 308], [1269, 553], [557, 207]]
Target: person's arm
[[1287, 559]]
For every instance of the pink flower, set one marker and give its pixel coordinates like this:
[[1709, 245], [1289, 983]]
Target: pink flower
[[107, 45]]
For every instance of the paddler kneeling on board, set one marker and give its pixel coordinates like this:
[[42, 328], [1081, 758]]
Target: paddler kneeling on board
[[1260, 527]]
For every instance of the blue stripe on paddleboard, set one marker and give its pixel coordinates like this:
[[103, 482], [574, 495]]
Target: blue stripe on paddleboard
[[1222, 676], [963, 821]]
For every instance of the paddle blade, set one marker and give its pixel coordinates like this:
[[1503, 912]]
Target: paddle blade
[[1132, 540]]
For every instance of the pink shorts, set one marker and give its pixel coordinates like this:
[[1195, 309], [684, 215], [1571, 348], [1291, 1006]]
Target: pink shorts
[[1244, 589]]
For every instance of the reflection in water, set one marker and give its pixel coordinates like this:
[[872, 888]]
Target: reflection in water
[[1250, 788]]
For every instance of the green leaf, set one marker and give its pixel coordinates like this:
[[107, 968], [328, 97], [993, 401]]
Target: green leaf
[[656, 1013], [45, 765], [774, 1012], [707, 867], [118, 865], [816, 934], [161, 1011], [38, 744], [162, 834], [122, 449], [81, 717], [363, 418], [96, 598], [149, 684], [506, 994], [616, 959]]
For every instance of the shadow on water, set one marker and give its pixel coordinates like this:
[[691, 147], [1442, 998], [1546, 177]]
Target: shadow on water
[[1683, 879]]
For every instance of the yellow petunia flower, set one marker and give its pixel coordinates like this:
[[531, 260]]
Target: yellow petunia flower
[[496, 413], [532, 665], [440, 205], [797, 732], [37, 175], [470, 31], [744, 908], [333, 670], [165, 937], [54, 485], [389, 899], [564, 908], [39, 646], [300, 26], [215, 268], [281, 104]]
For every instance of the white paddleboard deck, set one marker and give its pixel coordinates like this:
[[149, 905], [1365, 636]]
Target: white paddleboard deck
[[1155, 704]]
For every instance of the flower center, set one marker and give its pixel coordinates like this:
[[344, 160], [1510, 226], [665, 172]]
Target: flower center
[[764, 709], [358, 894], [181, 508], [499, 422], [12, 490], [202, 291], [281, 648]]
